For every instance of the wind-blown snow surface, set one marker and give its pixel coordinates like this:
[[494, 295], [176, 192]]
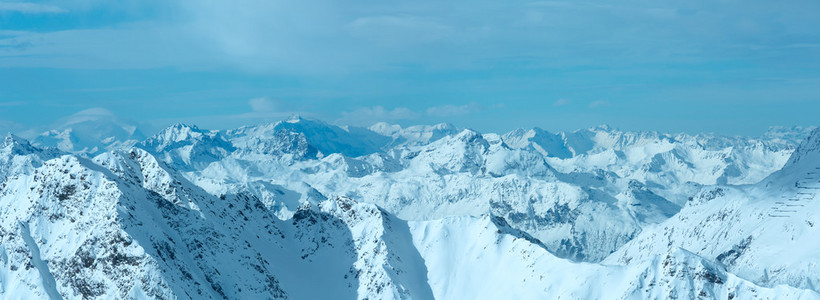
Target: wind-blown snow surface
[[305, 210]]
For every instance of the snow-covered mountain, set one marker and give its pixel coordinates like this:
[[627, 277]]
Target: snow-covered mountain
[[307, 138], [472, 258], [91, 132], [627, 180], [302, 209], [765, 232], [18, 156], [123, 225], [663, 158], [414, 135], [188, 146]]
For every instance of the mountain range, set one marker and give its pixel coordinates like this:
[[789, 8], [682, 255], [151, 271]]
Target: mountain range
[[302, 209]]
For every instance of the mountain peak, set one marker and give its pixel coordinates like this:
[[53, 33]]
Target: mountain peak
[[328, 138], [444, 126], [17, 145], [295, 118], [385, 128], [12, 139], [297, 121], [603, 127], [414, 135], [793, 135], [468, 135], [809, 149], [180, 126], [548, 143], [177, 138], [173, 134]]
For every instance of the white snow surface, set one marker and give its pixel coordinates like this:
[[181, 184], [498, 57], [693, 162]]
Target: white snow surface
[[765, 232], [583, 204], [302, 209]]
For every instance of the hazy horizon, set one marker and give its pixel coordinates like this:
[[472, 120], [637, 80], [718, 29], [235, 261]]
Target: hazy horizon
[[96, 115]]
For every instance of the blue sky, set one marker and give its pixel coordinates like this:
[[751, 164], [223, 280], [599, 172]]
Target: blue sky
[[732, 67]]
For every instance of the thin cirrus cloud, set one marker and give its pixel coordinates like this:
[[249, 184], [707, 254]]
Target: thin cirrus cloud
[[262, 104], [30, 8], [454, 110], [342, 59], [329, 38], [599, 104], [262, 109], [562, 102], [144, 45], [365, 116]]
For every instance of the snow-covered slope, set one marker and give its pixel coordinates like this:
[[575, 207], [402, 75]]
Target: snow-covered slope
[[18, 156], [626, 180], [185, 146], [302, 209], [131, 233], [472, 258], [414, 135], [790, 135], [766, 232], [307, 138], [123, 225], [664, 159], [462, 174]]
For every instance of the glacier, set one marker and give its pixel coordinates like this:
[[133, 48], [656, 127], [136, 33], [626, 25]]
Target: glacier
[[303, 209]]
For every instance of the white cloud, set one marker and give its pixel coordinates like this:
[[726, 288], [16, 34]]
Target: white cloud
[[599, 104], [9, 126], [262, 109], [131, 46], [31, 8], [262, 104], [359, 37], [454, 110], [90, 114], [400, 29], [365, 116], [562, 102]]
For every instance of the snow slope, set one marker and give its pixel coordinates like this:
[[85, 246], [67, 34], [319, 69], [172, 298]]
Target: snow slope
[[764, 232], [18, 156], [125, 226], [471, 258], [626, 180], [302, 209]]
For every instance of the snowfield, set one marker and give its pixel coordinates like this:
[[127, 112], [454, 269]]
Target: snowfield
[[301, 209]]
